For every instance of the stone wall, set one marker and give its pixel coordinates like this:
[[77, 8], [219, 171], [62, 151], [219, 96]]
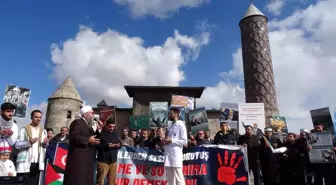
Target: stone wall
[[57, 113], [141, 101], [123, 117]]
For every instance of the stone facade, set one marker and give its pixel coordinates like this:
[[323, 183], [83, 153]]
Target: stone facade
[[63, 106], [257, 62], [141, 101], [123, 117], [57, 113], [143, 95]]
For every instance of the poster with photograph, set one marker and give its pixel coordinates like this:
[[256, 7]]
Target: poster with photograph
[[106, 112], [279, 126], [323, 116], [229, 114], [252, 114], [322, 144], [184, 103], [19, 96], [198, 120], [158, 114], [139, 122]]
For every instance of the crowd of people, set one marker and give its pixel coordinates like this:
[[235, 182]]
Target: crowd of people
[[94, 145], [290, 168], [22, 151]]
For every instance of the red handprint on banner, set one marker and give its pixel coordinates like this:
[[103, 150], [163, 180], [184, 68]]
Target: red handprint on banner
[[227, 172]]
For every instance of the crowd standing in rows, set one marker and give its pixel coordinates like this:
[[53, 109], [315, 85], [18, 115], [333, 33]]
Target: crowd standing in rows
[[97, 144]]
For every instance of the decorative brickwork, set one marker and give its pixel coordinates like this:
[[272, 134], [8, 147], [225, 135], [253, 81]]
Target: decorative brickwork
[[257, 63]]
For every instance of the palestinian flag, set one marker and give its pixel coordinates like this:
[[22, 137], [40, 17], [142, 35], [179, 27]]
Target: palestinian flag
[[52, 177], [56, 162]]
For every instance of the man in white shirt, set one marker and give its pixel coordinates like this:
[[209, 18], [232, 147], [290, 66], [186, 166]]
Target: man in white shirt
[[31, 142], [173, 155]]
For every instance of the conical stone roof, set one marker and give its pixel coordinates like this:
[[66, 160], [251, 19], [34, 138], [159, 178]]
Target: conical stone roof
[[102, 104], [252, 10], [66, 90]]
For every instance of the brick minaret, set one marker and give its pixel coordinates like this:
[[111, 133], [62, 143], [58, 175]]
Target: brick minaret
[[257, 61]]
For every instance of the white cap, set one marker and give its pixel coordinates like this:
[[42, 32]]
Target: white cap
[[86, 109], [304, 130], [268, 129]]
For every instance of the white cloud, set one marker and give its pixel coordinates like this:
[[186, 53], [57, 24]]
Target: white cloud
[[222, 92], [100, 64], [158, 8], [304, 63], [24, 121], [275, 6], [302, 51]]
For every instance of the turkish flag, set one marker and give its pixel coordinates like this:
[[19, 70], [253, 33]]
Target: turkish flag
[[60, 157]]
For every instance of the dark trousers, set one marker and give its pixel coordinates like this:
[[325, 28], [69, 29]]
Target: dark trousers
[[32, 178], [323, 172], [268, 172], [255, 168], [291, 178], [328, 178]]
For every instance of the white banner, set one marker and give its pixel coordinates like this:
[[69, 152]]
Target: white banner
[[251, 114]]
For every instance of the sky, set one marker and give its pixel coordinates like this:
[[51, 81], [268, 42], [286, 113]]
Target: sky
[[106, 44]]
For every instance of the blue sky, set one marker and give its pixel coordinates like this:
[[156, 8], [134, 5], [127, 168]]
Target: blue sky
[[29, 28]]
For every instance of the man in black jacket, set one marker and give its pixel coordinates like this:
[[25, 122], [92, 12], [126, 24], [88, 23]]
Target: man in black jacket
[[289, 162], [302, 146], [224, 136], [268, 160], [62, 137], [107, 153], [146, 140], [323, 172], [252, 142], [200, 139]]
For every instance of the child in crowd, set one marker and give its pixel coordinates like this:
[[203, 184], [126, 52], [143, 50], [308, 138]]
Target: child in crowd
[[7, 167]]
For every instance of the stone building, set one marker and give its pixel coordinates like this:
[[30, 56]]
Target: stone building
[[257, 61], [63, 105], [143, 95], [122, 115]]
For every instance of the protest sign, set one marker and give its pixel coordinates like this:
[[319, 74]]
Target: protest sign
[[211, 165], [202, 165], [322, 144]]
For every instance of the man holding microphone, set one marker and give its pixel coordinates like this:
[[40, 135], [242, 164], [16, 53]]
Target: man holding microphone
[[80, 160]]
